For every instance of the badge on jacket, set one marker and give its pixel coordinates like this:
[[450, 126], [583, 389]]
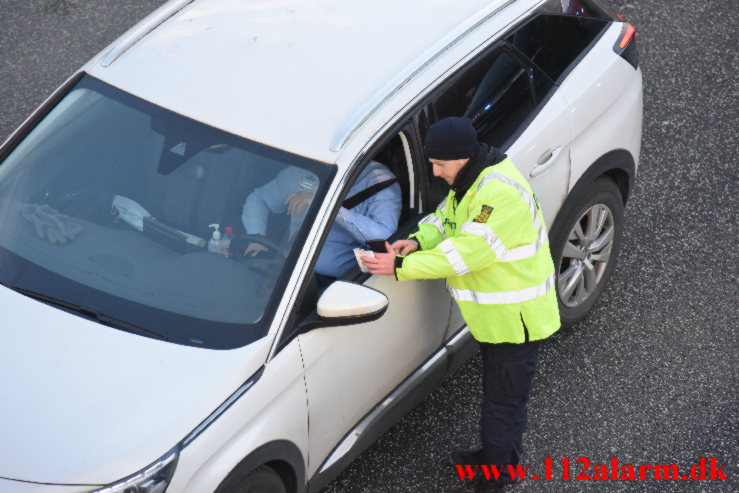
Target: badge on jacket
[[484, 215]]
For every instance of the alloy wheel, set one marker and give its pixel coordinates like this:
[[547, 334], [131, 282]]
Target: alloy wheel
[[585, 255]]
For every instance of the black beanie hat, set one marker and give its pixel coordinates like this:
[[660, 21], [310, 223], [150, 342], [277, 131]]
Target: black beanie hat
[[452, 138]]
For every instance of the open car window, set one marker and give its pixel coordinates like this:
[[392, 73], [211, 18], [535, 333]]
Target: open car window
[[108, 203], [553, 42], [499, 91]]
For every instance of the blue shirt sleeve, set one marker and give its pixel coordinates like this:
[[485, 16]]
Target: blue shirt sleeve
[[377, 217]]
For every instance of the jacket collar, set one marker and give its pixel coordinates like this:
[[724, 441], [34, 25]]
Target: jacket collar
[[486, 156]]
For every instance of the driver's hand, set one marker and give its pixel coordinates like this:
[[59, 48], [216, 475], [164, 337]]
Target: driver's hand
[[297, 202], [405, 247], [254, 249]]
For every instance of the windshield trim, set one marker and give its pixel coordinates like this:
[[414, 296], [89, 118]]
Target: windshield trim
[[39, 114]]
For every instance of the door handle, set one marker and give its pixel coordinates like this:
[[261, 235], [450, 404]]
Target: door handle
[[545, 161]]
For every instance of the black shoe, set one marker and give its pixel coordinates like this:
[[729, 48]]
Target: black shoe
[[472, 457]]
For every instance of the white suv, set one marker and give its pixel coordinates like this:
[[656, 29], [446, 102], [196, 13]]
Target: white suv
[[138, 356]]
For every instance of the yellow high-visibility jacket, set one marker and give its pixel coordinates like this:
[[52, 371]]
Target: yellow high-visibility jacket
[[492, 247]]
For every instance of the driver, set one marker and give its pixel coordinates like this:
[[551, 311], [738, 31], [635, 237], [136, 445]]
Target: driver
[[292, 191]]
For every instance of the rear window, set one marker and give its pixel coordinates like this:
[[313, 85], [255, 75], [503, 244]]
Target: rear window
[[497, 92], [553, 42]]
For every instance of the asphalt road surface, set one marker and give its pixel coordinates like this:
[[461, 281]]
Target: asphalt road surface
[[650, 377]]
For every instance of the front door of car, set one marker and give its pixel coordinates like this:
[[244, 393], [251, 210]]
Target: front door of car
[[350, 369]]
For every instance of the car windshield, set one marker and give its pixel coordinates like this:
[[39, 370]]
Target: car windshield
[[110, 203]]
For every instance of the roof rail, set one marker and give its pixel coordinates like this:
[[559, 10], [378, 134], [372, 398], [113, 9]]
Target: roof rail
[[147, 26], [384, 94]]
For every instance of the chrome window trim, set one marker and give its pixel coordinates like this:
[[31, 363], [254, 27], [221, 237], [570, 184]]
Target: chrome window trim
[[222, 408], [409, 165]]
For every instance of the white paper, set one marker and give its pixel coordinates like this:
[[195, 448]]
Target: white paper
[[359, 253], [130, 211]]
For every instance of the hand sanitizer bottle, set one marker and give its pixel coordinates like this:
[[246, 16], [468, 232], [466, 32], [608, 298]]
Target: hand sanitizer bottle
[[214, 245]]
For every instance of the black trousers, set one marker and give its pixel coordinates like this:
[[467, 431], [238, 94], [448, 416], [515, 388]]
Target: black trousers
[[508, 370]]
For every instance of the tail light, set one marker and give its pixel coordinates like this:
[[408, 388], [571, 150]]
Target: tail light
[[625, 46], [627, 36]]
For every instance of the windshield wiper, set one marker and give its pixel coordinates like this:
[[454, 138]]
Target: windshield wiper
[[104, 319]]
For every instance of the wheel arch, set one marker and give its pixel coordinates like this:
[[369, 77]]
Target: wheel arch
[[281, 455], [604, 185], [618, 165]]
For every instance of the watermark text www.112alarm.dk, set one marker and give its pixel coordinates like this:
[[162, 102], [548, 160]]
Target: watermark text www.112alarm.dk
[[583, 469]]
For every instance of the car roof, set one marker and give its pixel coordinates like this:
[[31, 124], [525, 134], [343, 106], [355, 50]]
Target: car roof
[[287, 73]]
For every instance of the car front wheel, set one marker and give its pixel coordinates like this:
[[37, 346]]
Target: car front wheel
[[263, 479], [585, 246]]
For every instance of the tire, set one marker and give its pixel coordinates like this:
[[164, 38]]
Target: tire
[[584, 258], [262, 479]]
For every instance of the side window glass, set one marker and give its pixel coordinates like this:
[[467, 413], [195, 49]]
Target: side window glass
[[372, 210], [553, 42], [497, 92], [367, 214], [502, 101]]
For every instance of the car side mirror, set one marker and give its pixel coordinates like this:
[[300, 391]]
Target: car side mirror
[[347, 303]]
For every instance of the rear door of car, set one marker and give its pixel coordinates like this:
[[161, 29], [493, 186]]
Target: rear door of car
[[577, 52]]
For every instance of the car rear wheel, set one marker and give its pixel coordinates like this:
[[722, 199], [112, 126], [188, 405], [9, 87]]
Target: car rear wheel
[[585, 246]]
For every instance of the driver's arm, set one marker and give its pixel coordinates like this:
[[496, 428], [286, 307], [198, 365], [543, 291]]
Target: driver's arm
[[271, 198], [378, 219]]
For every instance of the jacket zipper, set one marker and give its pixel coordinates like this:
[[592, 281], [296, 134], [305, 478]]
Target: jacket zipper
[[525, 329]]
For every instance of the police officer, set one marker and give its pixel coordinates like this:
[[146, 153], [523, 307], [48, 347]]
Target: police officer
[[487, 238]]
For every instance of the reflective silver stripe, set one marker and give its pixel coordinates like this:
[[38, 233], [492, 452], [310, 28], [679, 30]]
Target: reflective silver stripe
[[509, 181], [435, 221], [454, 258], [518, 253], [442, 205], [487, 234], [505, 297], [501, 252]]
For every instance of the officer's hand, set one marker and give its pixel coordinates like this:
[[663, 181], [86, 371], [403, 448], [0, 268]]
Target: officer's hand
[[405, 247], [254, 249], [297, 202], [381, 263]]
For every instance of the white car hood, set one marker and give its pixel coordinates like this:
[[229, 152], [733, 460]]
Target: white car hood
[[82, 403]]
